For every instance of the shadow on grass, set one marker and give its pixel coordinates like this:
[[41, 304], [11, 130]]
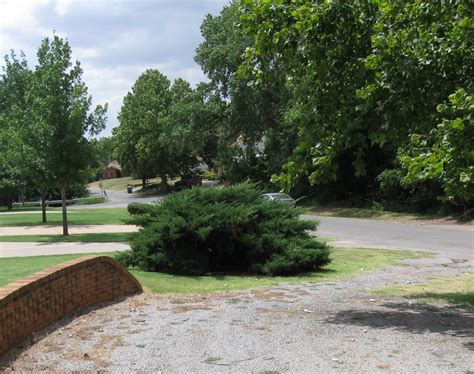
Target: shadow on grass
[[412, 318], [224, 276]]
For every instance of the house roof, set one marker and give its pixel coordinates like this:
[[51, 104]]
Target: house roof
[[114, 165]]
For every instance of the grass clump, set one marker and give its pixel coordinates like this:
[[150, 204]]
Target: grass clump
[[458, 290], [201, 231]]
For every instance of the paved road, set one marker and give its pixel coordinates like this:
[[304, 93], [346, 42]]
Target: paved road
[[118, 199], [456, 241], [121, 199], [27, 249]]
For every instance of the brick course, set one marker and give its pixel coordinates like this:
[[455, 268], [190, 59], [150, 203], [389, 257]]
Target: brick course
[[36, 301]]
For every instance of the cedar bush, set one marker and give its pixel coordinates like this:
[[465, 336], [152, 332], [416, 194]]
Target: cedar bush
[[201, 231]]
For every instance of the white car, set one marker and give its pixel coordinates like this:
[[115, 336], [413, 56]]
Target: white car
[[279, 197]]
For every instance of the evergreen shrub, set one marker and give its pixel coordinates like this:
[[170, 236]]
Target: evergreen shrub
[[223, 230]]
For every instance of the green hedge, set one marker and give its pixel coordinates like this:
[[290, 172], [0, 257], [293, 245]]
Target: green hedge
[[201, 231]]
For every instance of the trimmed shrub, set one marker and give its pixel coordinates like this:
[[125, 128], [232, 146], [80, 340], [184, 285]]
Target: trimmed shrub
[[201, 231], [139, 208]]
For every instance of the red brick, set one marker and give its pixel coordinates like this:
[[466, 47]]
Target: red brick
[[36, 301]]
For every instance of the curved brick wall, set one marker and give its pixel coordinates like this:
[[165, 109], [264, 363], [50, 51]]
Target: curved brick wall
[[34, 302]]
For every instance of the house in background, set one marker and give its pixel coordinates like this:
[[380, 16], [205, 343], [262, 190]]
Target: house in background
[[113, 170]]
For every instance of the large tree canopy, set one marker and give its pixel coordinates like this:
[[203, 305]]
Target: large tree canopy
[[364, 76], [163, 128]]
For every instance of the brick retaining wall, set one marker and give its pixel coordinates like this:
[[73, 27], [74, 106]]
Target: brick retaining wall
[[34, 302]]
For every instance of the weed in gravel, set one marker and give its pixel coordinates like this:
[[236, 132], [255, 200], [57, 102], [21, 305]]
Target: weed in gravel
[[359, 317], [269, 372], [234, 300], [212, 360], [438, 354]]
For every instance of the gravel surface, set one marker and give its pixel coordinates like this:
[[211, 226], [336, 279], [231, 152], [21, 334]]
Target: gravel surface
[[332, 327]]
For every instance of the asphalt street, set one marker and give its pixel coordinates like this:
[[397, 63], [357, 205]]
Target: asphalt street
[[456, 241]]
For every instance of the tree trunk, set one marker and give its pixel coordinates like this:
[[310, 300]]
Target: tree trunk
[[164, 183], [63, 199], [143, 183], [43, 207], [9, 200]]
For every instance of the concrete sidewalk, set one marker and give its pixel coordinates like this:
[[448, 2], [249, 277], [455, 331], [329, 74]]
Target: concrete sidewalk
[[27, 249], [58, 230]]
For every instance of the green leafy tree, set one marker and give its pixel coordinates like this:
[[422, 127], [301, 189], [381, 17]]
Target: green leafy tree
[[320, 46], [13, 88], [445, 155], [142, 108], [249, 112], [364, 76], [159, 131], [61, 120]]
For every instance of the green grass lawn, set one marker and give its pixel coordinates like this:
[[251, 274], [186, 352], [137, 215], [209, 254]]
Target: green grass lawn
[[440, 290], [75, 217], [346, 263], [372, 213], [3, 209], [75, 238], [364, 213]]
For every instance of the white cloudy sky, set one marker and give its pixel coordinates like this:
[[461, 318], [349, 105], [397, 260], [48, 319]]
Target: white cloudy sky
[[115, 40]]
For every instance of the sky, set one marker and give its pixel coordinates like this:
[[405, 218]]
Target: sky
[[115, 40]]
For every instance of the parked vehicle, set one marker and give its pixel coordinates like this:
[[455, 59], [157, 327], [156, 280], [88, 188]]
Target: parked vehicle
[[279, 197]]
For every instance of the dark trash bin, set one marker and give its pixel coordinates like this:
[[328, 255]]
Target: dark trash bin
[[129, 189]]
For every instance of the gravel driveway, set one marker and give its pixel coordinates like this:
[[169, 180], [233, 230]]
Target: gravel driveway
[[335, 327]]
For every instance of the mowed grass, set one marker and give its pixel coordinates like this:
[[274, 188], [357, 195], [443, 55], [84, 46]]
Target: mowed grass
[[346, 263], [75, 217], [119, 184], [350, 212], [15, 268], [457, 290], [119, 237], [377, 214]]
